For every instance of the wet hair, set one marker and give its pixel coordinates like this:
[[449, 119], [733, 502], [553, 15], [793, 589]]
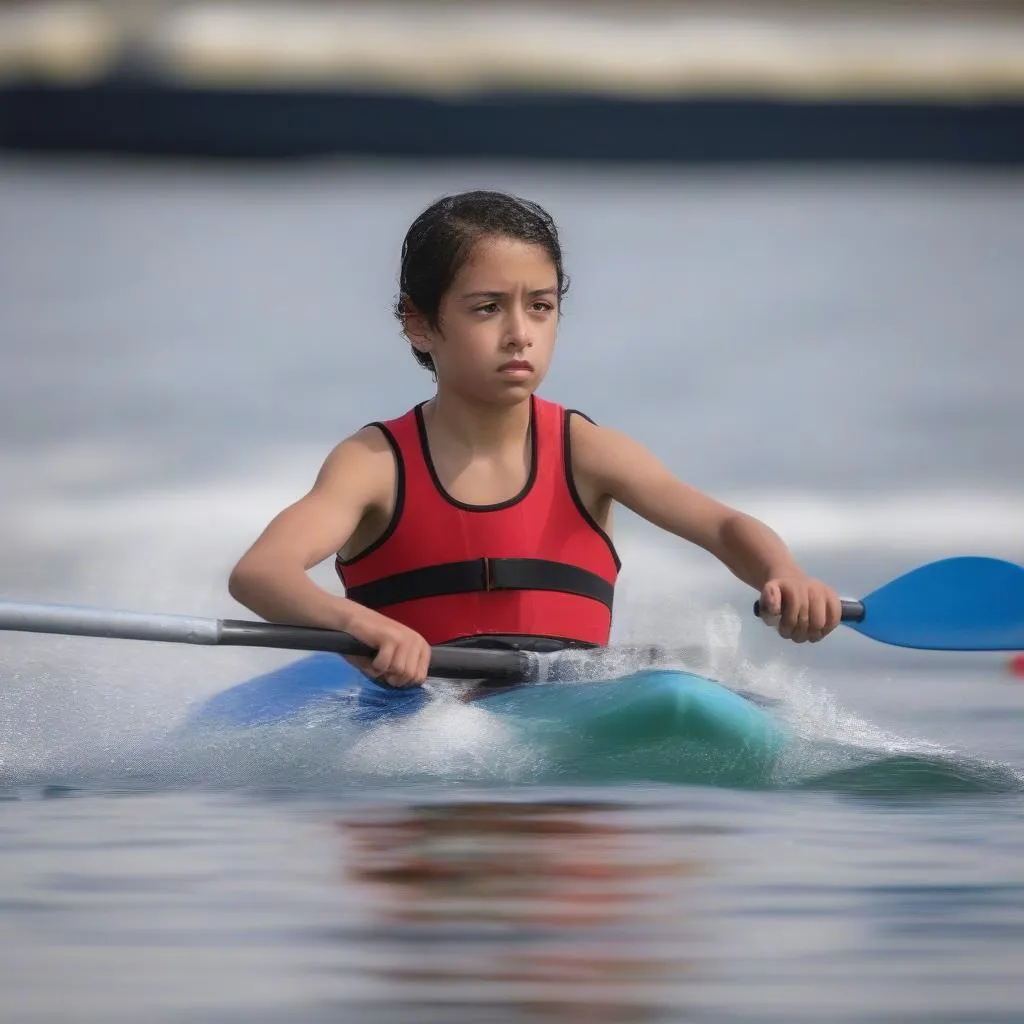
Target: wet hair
[[441, 240]]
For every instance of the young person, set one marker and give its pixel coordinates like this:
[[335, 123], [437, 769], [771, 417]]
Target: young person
[[484, 514]]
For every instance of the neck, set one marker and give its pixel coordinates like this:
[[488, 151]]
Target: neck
[[476, 426]]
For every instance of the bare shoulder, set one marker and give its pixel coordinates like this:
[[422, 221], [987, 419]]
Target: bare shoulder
[[599, 453], [363, 464], [610, 463], [368, 442]]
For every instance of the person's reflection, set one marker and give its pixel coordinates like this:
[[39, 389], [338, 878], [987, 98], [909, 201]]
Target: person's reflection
[[557, 899]]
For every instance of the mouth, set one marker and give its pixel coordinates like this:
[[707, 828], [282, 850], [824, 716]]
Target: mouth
[[516, 366]]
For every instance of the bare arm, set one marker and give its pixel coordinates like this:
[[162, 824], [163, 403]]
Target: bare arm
[[607, 462], [357, 479], [271, 579]]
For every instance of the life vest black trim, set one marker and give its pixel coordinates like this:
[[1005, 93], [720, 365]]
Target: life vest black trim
[[571, 483], [428, 458], [396, 514], [532, 642], [483, 574]]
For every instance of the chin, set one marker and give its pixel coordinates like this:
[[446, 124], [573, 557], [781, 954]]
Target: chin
[[517, 390]]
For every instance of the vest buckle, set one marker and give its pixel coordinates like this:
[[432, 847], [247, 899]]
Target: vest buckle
[[488, 574]]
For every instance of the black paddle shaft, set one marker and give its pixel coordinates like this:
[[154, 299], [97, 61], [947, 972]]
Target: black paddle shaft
[[853, 611], [445, 662]]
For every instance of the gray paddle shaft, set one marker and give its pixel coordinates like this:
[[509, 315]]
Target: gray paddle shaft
[[70, 620]]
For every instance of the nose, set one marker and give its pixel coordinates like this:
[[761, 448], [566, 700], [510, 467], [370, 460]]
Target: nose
[[517, 330]]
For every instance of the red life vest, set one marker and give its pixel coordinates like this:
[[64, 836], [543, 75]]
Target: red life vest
[[537, 565]]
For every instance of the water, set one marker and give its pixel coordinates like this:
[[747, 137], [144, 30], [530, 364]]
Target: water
[[838, 353]]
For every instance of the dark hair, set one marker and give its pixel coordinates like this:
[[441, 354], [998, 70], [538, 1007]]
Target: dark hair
[[441, 240]]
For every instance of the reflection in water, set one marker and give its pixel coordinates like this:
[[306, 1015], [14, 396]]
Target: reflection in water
[[547, 908]]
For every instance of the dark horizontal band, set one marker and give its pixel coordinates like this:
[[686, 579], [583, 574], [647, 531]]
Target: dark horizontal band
[[483, 574]]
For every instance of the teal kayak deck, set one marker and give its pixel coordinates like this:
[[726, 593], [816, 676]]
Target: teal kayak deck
[[654, 724]]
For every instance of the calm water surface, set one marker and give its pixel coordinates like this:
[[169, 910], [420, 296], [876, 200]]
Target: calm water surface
[[838, 353]]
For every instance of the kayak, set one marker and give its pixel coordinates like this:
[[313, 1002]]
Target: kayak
[[655, 724]]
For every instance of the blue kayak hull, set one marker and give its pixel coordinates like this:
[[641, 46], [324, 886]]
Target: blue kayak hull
[[654, 724], [320, 682]]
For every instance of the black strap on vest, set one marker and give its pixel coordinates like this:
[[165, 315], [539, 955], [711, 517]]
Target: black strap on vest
[[482, 574]]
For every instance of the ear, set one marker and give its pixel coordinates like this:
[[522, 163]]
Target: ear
[[416, 327]]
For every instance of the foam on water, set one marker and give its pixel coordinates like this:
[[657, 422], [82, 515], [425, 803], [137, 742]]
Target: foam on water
[[453, 743]]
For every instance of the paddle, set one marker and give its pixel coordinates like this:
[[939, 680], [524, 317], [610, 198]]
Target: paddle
[[496, 666], [70, 620], [957, 604]]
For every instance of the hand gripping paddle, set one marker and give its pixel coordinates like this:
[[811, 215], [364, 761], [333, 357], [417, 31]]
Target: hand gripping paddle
[[957, 604]]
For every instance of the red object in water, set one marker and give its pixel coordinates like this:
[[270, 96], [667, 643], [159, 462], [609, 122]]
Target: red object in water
[[1016, 665]]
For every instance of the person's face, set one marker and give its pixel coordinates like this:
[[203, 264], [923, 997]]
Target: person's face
[[497, 322]]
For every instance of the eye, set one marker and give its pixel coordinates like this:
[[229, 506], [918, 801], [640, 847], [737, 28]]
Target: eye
[[543, 306], [490, 307]]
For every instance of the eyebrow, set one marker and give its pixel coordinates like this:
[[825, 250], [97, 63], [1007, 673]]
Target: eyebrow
[[501, 295]]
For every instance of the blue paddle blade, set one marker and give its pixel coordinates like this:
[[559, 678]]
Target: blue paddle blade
[[957, 604]]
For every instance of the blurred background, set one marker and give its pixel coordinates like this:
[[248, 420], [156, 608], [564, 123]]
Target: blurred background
[[793, 230], [795, 233], [645, 80]]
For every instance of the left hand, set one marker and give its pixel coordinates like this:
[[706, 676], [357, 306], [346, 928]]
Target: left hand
[[800, 608]]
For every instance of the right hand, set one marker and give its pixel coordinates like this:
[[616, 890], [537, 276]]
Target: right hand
[[403, 656]]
